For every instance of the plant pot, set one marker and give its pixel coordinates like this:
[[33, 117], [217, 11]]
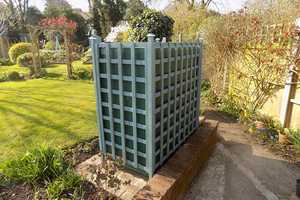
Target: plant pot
[[283, 139]]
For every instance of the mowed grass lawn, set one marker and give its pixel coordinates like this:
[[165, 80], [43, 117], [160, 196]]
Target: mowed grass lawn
[[53, 112]]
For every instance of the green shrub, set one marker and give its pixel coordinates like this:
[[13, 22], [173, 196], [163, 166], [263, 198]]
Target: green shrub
[[228, 106], [3, 77], [207, 93], [18, 49], [5, 62], [123, 36], [53, 57], [83, 74], [14, 76], [42, 164], [67, 183], [50, 45], [294, 134], [26, 60], [150, 21], [87, 57]]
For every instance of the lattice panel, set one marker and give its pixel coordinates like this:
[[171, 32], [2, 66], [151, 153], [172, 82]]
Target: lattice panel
[[147, 99]]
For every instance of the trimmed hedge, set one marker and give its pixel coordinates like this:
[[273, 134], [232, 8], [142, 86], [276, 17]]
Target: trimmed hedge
[[18, 49]]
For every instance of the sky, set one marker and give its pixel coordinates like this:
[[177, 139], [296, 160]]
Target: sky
[[223, 6]]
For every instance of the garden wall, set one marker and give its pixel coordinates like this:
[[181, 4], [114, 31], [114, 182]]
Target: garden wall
[[273, 106]]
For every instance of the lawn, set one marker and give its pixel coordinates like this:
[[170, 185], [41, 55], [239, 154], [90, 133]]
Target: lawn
[[47, 111]]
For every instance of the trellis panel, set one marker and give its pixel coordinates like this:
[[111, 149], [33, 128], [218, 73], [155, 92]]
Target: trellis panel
[[147, 99]]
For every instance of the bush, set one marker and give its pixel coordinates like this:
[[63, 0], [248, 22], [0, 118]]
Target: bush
[[49, 56], [207, 93], [83, 74], [3, 77], [42, 164], [150, 21], [50, 45], [69, 182], [5, 62], [18, 49], [229, 106], [87, 57], [14, 76], [295, 138], [26, 60], [123, 36]]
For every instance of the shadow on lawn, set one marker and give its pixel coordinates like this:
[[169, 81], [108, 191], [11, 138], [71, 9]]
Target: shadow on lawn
[[42, 121], [30, 91], [89, 113]]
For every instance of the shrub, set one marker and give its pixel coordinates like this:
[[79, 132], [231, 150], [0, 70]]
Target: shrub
[[150, 21], [229, 106], [5, 62], [50, 45], [14, 76], [82, 74], [18, 49], [26, 60], [68, 182], [42, 164], [123, 36], [3, 77], [52, 57], [207, 93], [295, 138], [87, 57]]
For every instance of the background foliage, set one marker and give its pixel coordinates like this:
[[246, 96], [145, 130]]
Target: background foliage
[[150, 21]]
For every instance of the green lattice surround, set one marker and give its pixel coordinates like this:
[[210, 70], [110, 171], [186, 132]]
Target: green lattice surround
[[147, 99]]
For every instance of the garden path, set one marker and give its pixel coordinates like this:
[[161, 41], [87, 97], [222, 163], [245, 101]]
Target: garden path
[[242, 169]]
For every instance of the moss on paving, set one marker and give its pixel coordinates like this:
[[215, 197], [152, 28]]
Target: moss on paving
[[47, 111]]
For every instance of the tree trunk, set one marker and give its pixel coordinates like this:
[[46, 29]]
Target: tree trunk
[[4, 47], [35, 55], [69, 56]]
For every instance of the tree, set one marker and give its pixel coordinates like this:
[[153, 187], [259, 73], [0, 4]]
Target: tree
[[94, 7], [105, 14], [193, 3], [188, 21], [134, 8], [34, 15], [19, 8], [81, 31], [116, 10], [5, 21], [55, 8]]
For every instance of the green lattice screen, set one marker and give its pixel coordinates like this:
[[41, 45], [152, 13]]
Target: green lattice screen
[[147, 99]]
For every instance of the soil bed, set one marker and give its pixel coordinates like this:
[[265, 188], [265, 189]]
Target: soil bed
[[73, 155]]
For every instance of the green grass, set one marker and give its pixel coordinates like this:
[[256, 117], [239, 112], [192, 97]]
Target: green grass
[[50, 111]]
